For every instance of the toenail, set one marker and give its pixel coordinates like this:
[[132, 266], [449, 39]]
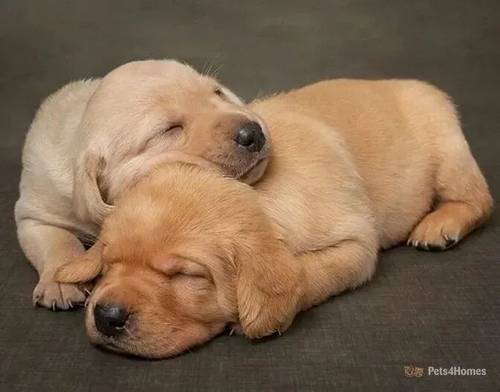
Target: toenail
[[450, 242]]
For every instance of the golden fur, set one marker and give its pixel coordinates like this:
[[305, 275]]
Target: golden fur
[[188, 251], [355, 166]]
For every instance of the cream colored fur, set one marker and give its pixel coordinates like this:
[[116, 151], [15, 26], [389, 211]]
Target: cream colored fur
[[361, 165]]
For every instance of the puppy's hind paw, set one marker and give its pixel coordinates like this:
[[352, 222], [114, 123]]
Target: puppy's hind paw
[[435, 233]]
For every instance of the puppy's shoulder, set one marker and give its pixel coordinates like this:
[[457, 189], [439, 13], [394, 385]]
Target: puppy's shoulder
[[70, 97], [47, 153], [59, 114]]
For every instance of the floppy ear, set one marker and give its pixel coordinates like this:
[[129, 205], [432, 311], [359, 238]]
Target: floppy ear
[[87, 197], [268, 288], [83, 269]]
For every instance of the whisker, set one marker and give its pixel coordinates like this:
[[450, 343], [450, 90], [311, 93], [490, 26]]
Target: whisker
[[215, 70], [211, 69], [206, 66], [128, 332]]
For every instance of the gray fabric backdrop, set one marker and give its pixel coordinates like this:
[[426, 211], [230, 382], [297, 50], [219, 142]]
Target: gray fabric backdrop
[[425, 309]]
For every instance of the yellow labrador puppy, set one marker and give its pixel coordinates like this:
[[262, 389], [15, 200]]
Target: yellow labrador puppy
[[355, 166], [92, 139]]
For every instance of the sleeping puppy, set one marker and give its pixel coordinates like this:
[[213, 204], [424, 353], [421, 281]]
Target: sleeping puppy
[[354, 166], [92, 139], [185, 253]]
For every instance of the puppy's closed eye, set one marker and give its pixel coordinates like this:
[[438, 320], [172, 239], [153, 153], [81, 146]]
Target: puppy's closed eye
[[189, 274], [197, 283], [160, 133], [173, 127], [177, 267]]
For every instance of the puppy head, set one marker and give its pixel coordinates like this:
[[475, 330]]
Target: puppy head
[[149, 112], [185, 253]]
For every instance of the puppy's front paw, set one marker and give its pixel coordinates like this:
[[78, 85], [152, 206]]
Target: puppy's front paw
[[53, 295]]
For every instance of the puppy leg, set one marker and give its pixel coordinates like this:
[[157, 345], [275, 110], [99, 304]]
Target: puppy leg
[[47, 248], [332, 270], [463, 199]]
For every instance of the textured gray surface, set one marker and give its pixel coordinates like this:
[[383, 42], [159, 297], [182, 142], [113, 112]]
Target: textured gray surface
[[427, 309]]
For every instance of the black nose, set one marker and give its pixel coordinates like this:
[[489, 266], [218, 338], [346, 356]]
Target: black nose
[[110, 319], [250, 136]]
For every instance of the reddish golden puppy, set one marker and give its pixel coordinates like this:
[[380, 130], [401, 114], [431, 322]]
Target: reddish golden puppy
[[185, 253]]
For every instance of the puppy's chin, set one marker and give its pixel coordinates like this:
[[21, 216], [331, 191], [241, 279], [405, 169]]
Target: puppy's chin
[[153, 342], [153, 347], [255, 172], [131, 345]]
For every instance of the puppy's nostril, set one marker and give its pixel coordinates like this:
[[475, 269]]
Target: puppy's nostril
[[245, 137], [110, 319], [250, 136]]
